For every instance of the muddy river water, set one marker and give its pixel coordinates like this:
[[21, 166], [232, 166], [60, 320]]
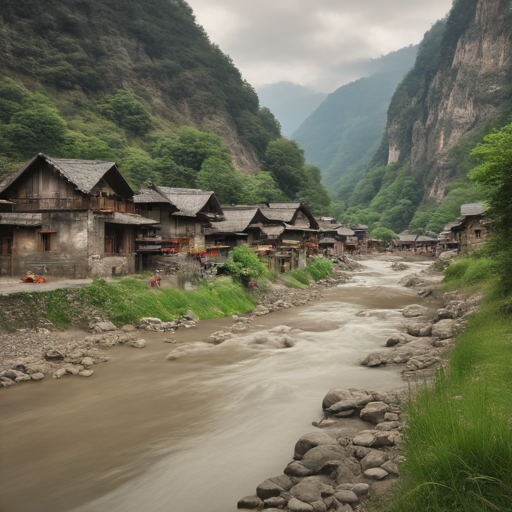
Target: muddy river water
[[194, 435]]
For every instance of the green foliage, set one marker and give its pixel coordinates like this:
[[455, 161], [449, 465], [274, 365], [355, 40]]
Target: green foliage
[[216, 174], [319, 268], [459, 441], [139, 167], [244, 265], [33, 125], [301, 276], [494, 175], [314, 193], [384, 234], [291, 282], [127, 110], [471, 271], [260, 188], [284, 159]]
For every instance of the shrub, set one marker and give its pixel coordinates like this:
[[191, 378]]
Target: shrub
[[244, 265], [301, 276], [291, 282], [470, 271], [319, 268]]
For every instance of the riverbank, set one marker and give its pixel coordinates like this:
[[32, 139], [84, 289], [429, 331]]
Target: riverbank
[[358, 453], [61, 321], [197, 432], [458, 439]]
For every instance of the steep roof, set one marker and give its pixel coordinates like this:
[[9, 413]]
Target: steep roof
[[237, 219], [285, 204], [190, 201], [149, 195], [472, 209], [345, 232], [84, 174], [282, 214]]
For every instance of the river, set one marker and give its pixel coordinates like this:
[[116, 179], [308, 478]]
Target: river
[[199, 433]]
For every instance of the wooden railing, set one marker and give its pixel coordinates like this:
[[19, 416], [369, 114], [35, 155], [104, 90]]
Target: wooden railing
[[74, 203]]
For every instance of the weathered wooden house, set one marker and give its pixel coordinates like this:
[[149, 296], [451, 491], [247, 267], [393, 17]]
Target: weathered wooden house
[[471, 229], [71, 218], [184, 216], [416, 243]]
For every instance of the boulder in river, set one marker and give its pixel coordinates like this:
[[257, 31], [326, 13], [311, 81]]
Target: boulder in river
[[444, 329], [295, 505], [138, 343], [360, 396], [250, 502], [414, 310], [273, 487], [310, 441]]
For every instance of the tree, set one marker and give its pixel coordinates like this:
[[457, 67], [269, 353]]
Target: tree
[[314, 193], [222, 178], [284, 159], [384, 234], [494, 174], [139, 168], [36, 128], [261, 188]]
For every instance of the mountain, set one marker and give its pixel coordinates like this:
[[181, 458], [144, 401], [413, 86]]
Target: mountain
[[458, 90], [290, 103], [343, 133], [119, 79]]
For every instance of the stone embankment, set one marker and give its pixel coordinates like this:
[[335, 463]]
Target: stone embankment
[[357, 447]]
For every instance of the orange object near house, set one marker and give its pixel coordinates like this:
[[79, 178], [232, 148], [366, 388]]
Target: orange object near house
[[41, 280]]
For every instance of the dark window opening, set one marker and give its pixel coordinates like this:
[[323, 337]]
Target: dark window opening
[[114, 240], [46, 242], [5, 246], [478, 233]]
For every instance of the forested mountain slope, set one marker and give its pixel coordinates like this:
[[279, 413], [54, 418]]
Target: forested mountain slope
[[458, 90], [121, 80], [344, 132]]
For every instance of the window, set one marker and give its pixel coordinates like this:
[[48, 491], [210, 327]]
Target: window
[[5, 246], [46, 242], [478, 233]]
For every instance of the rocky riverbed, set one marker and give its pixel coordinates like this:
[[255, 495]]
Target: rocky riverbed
[[33, 354], [356, 450]]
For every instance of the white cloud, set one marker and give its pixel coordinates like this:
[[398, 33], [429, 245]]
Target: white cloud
[[301, 40]]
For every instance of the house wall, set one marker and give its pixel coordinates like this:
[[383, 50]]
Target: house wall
[[469, 239]]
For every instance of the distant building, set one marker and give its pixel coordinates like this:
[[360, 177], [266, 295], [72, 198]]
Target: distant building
[[70, 218], [471, 229]]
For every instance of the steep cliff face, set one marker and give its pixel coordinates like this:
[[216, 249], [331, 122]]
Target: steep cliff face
[[470, 89], [459, 88]]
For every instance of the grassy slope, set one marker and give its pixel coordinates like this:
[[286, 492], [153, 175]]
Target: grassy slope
[[459, 440], [124, 301]]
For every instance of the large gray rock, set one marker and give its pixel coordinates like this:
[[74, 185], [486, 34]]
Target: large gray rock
[[374, 412], [275, 502], [359, 396], [219, 337], [274, 487], [374, 359], [311, 489], [383, 439], [361, 490], [104, 327], [309, 441], [297, 469], [346, 496], [295, 505], [376, 473], [190, 315], [86, 373], [13, 374], [138, 343], [444, 329], [364, 439], [319, 506], [59, 373], [374, 459], [414, 310], [391, 467], [317, 458], [37, 376], [250, 502], [419, 330]]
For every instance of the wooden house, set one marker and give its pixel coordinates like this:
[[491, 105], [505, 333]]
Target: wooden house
[[471, 229], [70, 218], [184, 216]]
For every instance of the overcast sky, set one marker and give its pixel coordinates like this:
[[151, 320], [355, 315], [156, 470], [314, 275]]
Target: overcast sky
[[305, 41]]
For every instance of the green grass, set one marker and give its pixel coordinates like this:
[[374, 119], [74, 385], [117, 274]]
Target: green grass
[[470, 271], [319, 268], [290, 282], [123, 301], [459, 437], [301, 276]]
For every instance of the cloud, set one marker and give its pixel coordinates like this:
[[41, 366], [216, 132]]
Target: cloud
[[301, 40]]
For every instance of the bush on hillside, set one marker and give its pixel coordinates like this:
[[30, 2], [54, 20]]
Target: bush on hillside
[[319, 268], [243, 265]]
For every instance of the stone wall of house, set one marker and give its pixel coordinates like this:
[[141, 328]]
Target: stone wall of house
[[474, 236]]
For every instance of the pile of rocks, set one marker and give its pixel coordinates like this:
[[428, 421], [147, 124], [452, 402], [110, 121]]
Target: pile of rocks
[[36, 354], [338, 467], [398, 266], [279, 299], [187, 321]]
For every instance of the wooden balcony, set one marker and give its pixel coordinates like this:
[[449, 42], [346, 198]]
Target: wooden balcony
[[75, 203]]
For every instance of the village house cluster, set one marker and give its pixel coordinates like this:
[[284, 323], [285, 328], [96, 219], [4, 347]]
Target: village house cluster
[[79, 218]]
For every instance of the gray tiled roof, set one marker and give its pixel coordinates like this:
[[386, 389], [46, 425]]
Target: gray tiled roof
[[472, 209], [237, 219]]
